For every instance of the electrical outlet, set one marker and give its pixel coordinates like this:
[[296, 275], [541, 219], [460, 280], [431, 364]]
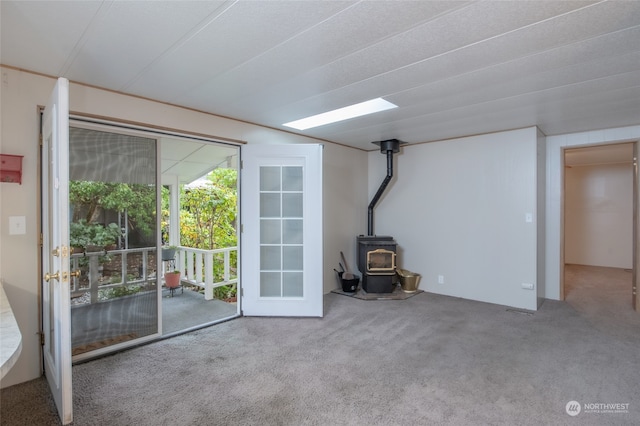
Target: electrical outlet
[[440, 279], [527, 286]]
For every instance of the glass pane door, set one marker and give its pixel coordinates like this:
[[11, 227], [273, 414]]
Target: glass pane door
[[281, 252], [113, 233], [281, 225]]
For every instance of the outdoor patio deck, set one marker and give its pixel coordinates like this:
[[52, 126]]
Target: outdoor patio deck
[[189, 309], [97, 325], [118, 302]]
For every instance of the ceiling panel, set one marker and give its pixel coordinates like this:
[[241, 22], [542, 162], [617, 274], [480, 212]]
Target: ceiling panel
[[543, 109], [454, 68], [244, 31], [32, 40], [190, 159], [482, 89], [134, 33], [187, 171], [404, 58], [328, 41], [550, 64], [529, 40]]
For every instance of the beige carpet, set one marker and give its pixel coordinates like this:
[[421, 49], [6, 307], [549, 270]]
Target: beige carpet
[[397, 294], [427, 360]]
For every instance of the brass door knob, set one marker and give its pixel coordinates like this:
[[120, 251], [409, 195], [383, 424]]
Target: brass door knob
[[75, 273], [48, 276]]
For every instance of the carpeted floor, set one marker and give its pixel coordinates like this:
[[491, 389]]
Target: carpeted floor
[[426, 360]]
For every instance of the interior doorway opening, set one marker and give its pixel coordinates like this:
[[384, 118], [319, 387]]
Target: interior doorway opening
[[598, 251]]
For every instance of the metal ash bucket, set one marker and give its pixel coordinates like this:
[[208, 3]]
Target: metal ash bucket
[[409, 281]]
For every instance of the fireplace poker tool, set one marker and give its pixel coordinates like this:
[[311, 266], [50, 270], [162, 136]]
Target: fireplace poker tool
[[347, 275]]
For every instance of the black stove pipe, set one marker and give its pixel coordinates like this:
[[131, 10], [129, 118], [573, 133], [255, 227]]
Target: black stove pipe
[[389, 146], [381, 189]]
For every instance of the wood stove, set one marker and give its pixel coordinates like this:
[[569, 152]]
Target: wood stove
[[377, 254], [377, 263]]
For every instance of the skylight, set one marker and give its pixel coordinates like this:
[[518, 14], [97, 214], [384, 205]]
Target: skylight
[[340, 114]]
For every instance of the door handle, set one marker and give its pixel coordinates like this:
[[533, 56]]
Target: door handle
[[48, 276], [66, 275]]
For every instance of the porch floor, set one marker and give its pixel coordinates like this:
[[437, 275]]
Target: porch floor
[[189, 309], [94, 326]]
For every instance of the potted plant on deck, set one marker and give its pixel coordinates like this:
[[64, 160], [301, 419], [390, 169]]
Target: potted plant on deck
[[168, 253], [172, 279]]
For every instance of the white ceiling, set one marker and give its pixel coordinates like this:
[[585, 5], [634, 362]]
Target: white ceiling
[[453, 68], [190, 160]]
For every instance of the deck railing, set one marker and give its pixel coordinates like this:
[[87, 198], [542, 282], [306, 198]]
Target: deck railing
[[92, 263], [198, 267]]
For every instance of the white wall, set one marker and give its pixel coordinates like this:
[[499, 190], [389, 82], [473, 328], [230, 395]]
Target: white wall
[[541, 200], [457, 208], [344, 184], [598, 215], [345, 207], [555, 169]]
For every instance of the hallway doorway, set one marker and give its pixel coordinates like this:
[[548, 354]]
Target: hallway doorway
[[598, 246]]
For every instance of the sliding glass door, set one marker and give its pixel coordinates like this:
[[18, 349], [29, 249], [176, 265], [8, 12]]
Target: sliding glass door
[[114, 238], [143, 205]]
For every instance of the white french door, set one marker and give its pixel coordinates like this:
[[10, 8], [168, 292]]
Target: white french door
[[56, 311], [281, 212]]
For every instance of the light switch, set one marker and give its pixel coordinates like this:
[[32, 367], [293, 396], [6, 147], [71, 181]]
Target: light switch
[[528, 218], [17, 225]]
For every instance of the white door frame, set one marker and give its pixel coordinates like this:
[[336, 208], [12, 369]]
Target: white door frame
[[635, 287], [56, 301], [635, 218]]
